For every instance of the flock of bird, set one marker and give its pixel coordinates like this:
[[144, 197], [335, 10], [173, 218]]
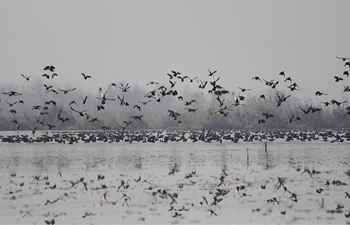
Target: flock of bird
[[191, 136], [125, 192], [226, 99]]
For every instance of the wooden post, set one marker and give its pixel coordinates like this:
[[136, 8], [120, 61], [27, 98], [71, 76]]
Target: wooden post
[[267, 157], [247, 158]]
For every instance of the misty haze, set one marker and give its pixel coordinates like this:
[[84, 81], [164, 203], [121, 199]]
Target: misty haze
[[174, 112]]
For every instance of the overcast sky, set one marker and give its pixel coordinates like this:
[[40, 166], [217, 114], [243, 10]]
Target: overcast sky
[[141, 41]]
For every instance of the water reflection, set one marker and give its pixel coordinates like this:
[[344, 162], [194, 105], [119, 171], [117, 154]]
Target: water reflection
[[40, 158]]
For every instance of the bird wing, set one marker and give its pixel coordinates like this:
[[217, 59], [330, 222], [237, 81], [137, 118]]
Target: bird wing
[[74, 110]]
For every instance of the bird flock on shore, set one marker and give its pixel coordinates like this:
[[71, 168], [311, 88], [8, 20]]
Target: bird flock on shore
[[226, 99]]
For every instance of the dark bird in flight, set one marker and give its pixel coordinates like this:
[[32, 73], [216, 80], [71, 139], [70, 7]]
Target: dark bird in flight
[[337, 79], [50, 68], [190, 102], [62, 119], [50, 126], [256, 78], [211, 73], [153, 82], [33, 130], [293, 87], [268, 83], [72, 102], [138, 179], [268, 115], [11, 93], [86, 214], [288, 79], [173, 114], [172, 84], [51, 222], [273, 86], [138, 107], [282, 74], [182, 78], [27, 78], [202, 84], [175, 73], [85, 76], [144, 103], [46, 75], [52, 90], [244, 89], [212, 212], [84, 99], [136, 117], [342, 58], [11, 104], [94, 120], [281, 98], [81, 113], [347, 111], [346, 88], [318, 93], [66, 91], [124, 88], [261, 121], [48, 87], [335, 102], [190, 109], [191, 79]]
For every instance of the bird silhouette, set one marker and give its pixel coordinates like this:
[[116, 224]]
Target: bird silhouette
[[66, 91], [48, 87], [212, 73], [84, 99], [27, 78], [256, 78], [85, 76], [342, 58], [337, 79], [50, 68], [124, 88]]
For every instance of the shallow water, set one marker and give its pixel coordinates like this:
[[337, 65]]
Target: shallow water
[[153, 162]]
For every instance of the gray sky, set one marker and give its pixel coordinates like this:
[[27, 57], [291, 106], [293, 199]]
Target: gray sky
[[140, 41]]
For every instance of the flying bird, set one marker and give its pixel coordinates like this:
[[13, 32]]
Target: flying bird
[[211, 73], [337, 79], [66, 91], [85, 76], [342, 58], [244, 89], [256, 78], [50, 68], [48, 87], [84, 99], [124, 88], [46, 75], [27, 78]]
